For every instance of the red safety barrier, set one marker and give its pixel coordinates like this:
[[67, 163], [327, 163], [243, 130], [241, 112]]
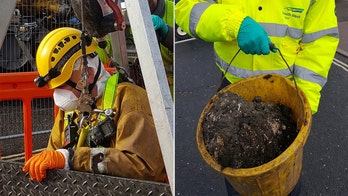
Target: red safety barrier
[[20, 86]]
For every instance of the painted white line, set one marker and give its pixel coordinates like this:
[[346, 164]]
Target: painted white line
[[185, 40], [341, 64]]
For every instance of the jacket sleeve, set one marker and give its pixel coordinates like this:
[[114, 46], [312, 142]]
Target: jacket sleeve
[[210, 22], [135, 151], [318, 48], [56, 139]]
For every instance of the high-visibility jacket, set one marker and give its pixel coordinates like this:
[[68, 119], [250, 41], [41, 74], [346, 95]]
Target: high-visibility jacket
[[103, 54], [134, 151], [167, 55], [305, 32], [168, 17]]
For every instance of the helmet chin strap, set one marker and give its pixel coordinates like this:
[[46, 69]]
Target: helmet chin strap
[[90, 86]]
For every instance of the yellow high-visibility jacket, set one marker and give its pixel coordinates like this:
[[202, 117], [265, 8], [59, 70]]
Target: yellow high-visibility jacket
[[305, 32], [134, 152], [168, 18], [167, 54], [102, 54]]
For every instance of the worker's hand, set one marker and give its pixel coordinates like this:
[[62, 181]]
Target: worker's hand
[[252, 38], [160, 26], [38, 164]]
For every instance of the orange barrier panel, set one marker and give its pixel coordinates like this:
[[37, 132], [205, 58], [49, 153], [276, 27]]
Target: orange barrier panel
[[20, 86]]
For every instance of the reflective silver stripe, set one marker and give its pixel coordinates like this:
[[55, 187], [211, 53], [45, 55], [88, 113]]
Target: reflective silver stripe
[[100, 165], [333, 32], [243, 73], [280, 30], [299, 72], [195, 15], [309, 75]]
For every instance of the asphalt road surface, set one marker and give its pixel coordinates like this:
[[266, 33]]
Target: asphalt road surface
[[325, 158]]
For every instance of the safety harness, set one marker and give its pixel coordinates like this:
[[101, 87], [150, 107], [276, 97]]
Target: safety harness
[[98, 135]]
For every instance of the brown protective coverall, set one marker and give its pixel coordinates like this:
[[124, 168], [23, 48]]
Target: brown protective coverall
[[135, 151]]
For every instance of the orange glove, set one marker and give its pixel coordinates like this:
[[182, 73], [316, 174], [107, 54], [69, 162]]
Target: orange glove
[[38, 164]]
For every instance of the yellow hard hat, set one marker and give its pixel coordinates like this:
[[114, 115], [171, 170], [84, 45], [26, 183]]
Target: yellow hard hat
[[57, 54]]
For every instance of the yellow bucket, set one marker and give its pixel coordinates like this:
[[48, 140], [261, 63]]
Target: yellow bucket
[[279, 176]]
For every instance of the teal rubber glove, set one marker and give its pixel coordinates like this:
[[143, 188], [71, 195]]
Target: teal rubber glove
[[252, 38], [160, 26]]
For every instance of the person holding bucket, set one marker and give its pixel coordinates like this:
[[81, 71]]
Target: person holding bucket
[[305, 32], [296, 39]]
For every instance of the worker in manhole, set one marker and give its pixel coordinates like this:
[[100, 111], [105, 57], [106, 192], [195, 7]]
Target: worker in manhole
[[296, 39], [104, 124]]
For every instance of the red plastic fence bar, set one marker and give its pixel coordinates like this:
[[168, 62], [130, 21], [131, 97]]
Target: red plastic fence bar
[[20, 86]]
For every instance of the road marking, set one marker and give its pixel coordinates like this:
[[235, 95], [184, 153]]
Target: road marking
[[341, 64], [185, 40]]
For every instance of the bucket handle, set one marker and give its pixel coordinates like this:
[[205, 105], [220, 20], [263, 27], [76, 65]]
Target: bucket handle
[[303, 118], [272, 47]]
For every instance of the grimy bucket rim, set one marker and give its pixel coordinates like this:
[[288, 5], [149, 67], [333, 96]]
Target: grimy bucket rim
[[298, 142]]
